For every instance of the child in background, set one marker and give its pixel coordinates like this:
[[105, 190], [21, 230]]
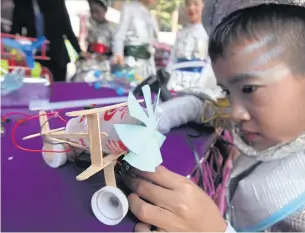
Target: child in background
[[134, 37], [99, 41], [191, 45], [99, 31]]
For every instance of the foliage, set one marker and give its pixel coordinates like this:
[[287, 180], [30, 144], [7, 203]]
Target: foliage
[[163, 12]]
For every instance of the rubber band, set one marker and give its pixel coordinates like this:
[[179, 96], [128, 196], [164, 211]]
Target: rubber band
[[30, 118]]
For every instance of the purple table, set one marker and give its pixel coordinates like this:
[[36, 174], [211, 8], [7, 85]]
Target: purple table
[[36, 197]]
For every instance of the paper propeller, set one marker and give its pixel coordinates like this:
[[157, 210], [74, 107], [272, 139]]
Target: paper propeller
[[27, 49], [143, 141]]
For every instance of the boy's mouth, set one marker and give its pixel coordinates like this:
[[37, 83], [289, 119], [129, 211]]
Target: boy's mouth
[[249, 136], [190, 13]]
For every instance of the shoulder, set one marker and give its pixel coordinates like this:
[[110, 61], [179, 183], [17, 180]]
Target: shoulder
[[128, 6], [200, 32]]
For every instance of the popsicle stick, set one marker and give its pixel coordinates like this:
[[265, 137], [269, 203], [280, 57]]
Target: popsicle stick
[[90, 171], [39, 134], [73, 135], [73, 144], [44, 122], [109, 175], [97, 110], [93, 169], [95, 139]]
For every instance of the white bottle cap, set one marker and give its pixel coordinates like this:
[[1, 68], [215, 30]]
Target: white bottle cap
[[109, 205], [54, 159]]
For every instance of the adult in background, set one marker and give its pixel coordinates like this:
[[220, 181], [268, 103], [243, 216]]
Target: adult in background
[[51, 19]]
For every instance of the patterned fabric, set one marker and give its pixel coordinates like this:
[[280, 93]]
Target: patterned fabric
[[99, 33], [215, 10], [137, 27], [191, 43], [257, 190], [293, 223]]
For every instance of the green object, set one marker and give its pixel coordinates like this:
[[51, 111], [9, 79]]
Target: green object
[[73, 55], [36, 71], [4, 66], [140, 52]]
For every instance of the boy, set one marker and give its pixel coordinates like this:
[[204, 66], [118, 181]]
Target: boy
[[257, 52]]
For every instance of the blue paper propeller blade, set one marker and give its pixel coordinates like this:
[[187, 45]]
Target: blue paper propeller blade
[[12, 43], [29, 59], [37, 43]]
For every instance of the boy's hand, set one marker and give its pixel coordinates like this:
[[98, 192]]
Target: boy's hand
[[118, 59], [177, 204]]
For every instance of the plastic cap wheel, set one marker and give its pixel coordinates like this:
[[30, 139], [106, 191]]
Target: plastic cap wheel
[[54, 159], [109, 205]]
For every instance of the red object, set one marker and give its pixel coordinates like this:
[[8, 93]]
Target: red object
[[16, 37], [99, 48], [162, 54], [18, 123]]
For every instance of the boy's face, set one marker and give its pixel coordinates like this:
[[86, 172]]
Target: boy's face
[[97, 12], [267, 99], [193, 9]]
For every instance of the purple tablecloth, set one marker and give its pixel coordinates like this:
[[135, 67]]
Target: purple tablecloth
[[36, 197]]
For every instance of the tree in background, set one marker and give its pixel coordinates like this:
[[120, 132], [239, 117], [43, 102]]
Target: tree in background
[[166, 13]]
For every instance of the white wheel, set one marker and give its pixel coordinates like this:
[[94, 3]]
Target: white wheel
[[54, 159], [109, 205]]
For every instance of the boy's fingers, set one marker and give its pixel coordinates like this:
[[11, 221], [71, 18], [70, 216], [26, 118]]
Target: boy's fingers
[[142, 227]]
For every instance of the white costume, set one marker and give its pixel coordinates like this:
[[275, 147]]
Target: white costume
[[191, 51], [134, 38]]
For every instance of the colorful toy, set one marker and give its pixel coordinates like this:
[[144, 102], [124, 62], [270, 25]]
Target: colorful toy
[[27, 48], [123, 79], [108, 133], [12, 82], [18, 51]]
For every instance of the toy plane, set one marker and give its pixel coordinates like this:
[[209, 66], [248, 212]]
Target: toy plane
[[109, 204]]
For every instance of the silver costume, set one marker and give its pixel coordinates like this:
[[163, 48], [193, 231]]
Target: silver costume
[[191, 45], [137, 27], [99, 32], [215, 11], [266, 191]]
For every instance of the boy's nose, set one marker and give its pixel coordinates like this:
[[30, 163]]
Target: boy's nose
[[239, 114]]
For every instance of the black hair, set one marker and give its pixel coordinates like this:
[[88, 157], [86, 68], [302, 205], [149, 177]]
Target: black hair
[[102, 3], [285, 22]]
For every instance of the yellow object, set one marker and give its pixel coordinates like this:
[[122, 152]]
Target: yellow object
[[17, 54], [4, 66], [138, 77], [36, 71], [220, 109]]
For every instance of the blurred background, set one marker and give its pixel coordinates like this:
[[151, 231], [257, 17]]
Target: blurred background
[[169, 14]]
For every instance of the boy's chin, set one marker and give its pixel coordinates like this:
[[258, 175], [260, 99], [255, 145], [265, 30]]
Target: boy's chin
[[259, 144]]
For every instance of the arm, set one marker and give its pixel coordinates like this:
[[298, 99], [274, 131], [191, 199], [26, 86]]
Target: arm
[[179, 111], [67, 27], [121, 30], [190, 108]]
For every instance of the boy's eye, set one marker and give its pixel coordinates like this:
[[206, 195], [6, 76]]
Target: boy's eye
[[249, 89]]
